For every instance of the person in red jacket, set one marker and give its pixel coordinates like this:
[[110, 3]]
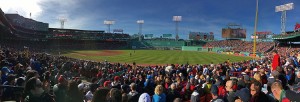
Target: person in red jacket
[[276, 60]]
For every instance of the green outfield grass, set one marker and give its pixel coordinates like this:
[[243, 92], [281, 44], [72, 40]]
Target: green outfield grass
[[156, 57]]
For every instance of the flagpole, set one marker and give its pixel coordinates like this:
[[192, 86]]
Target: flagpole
[[255, 26]]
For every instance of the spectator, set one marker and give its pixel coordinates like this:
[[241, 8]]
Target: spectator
[[125, 89], [149, 85], [167, 83], [293, 96], [207, 85], [256, 94], [145, 98], [177, 100], [195, 97], [257, 77], [116, 83], [276, 60], [172, 93], [214, 93], [30, 74], [8, 91], [297, 79], [92, 88], [241, 83], [133, 95], [20, 82], [36, 92], [60, 89], [114, 95], [243, 95], [81, 85], [278, 92], [107, 84], [231, 94], [274, 76], [73, 93], [100, 95], [159, 96], [263, 76]]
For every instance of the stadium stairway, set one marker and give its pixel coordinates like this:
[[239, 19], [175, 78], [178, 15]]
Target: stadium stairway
[[146, 44], [139, 44]]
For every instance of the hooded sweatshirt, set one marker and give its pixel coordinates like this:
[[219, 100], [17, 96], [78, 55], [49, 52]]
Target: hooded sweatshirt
[[195, 97], [133, 96]]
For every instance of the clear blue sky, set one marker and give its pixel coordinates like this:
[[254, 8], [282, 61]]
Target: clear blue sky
[[197, 15]]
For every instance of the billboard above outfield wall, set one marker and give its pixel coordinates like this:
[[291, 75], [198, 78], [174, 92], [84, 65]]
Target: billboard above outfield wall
[[201, 36], [167, 35], [233, 33], [263, 34], [148, 35]]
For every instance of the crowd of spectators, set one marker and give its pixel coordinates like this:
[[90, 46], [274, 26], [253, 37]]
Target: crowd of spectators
[[33, 76], [235, 45]]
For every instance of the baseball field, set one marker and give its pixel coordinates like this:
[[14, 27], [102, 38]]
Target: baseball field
[[154, 57]]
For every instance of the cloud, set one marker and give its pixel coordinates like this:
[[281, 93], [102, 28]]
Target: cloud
[[22, 7]]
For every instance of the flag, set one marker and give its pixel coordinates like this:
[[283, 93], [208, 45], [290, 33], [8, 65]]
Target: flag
[[297, 26]]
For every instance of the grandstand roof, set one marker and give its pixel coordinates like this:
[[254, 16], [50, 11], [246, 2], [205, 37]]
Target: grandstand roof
[[295, 37]]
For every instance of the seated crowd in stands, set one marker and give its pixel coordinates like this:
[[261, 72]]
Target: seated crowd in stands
[[235, 45], [40, 77]]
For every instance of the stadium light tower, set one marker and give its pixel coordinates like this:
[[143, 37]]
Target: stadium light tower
[[255, 26], [62, 22], [283, 9], [140, 22], [177, 19], [108, 23]]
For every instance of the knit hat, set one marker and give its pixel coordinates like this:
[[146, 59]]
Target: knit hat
[[243, 94], [61, 79], [144, 98], [117, 78], [106, 83]]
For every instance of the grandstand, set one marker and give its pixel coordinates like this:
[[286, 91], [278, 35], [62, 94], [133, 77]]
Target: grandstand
[[31, 31], [18, 33], [22, 31]]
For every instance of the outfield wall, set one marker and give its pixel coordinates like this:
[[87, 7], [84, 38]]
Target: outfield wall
[[197, 48], [162, 43], [217, 50], [193, 48]]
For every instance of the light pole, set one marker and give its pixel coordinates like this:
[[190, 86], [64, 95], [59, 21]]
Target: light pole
[[62, 22], [108, 23], [283, 9], [177, 19], [255, 26], [140, 22]]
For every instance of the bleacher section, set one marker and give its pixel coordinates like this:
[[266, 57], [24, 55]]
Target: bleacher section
[[139, 45], [241, 46]]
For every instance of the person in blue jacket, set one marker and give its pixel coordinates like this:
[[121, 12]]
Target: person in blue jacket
[[159, 95]]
